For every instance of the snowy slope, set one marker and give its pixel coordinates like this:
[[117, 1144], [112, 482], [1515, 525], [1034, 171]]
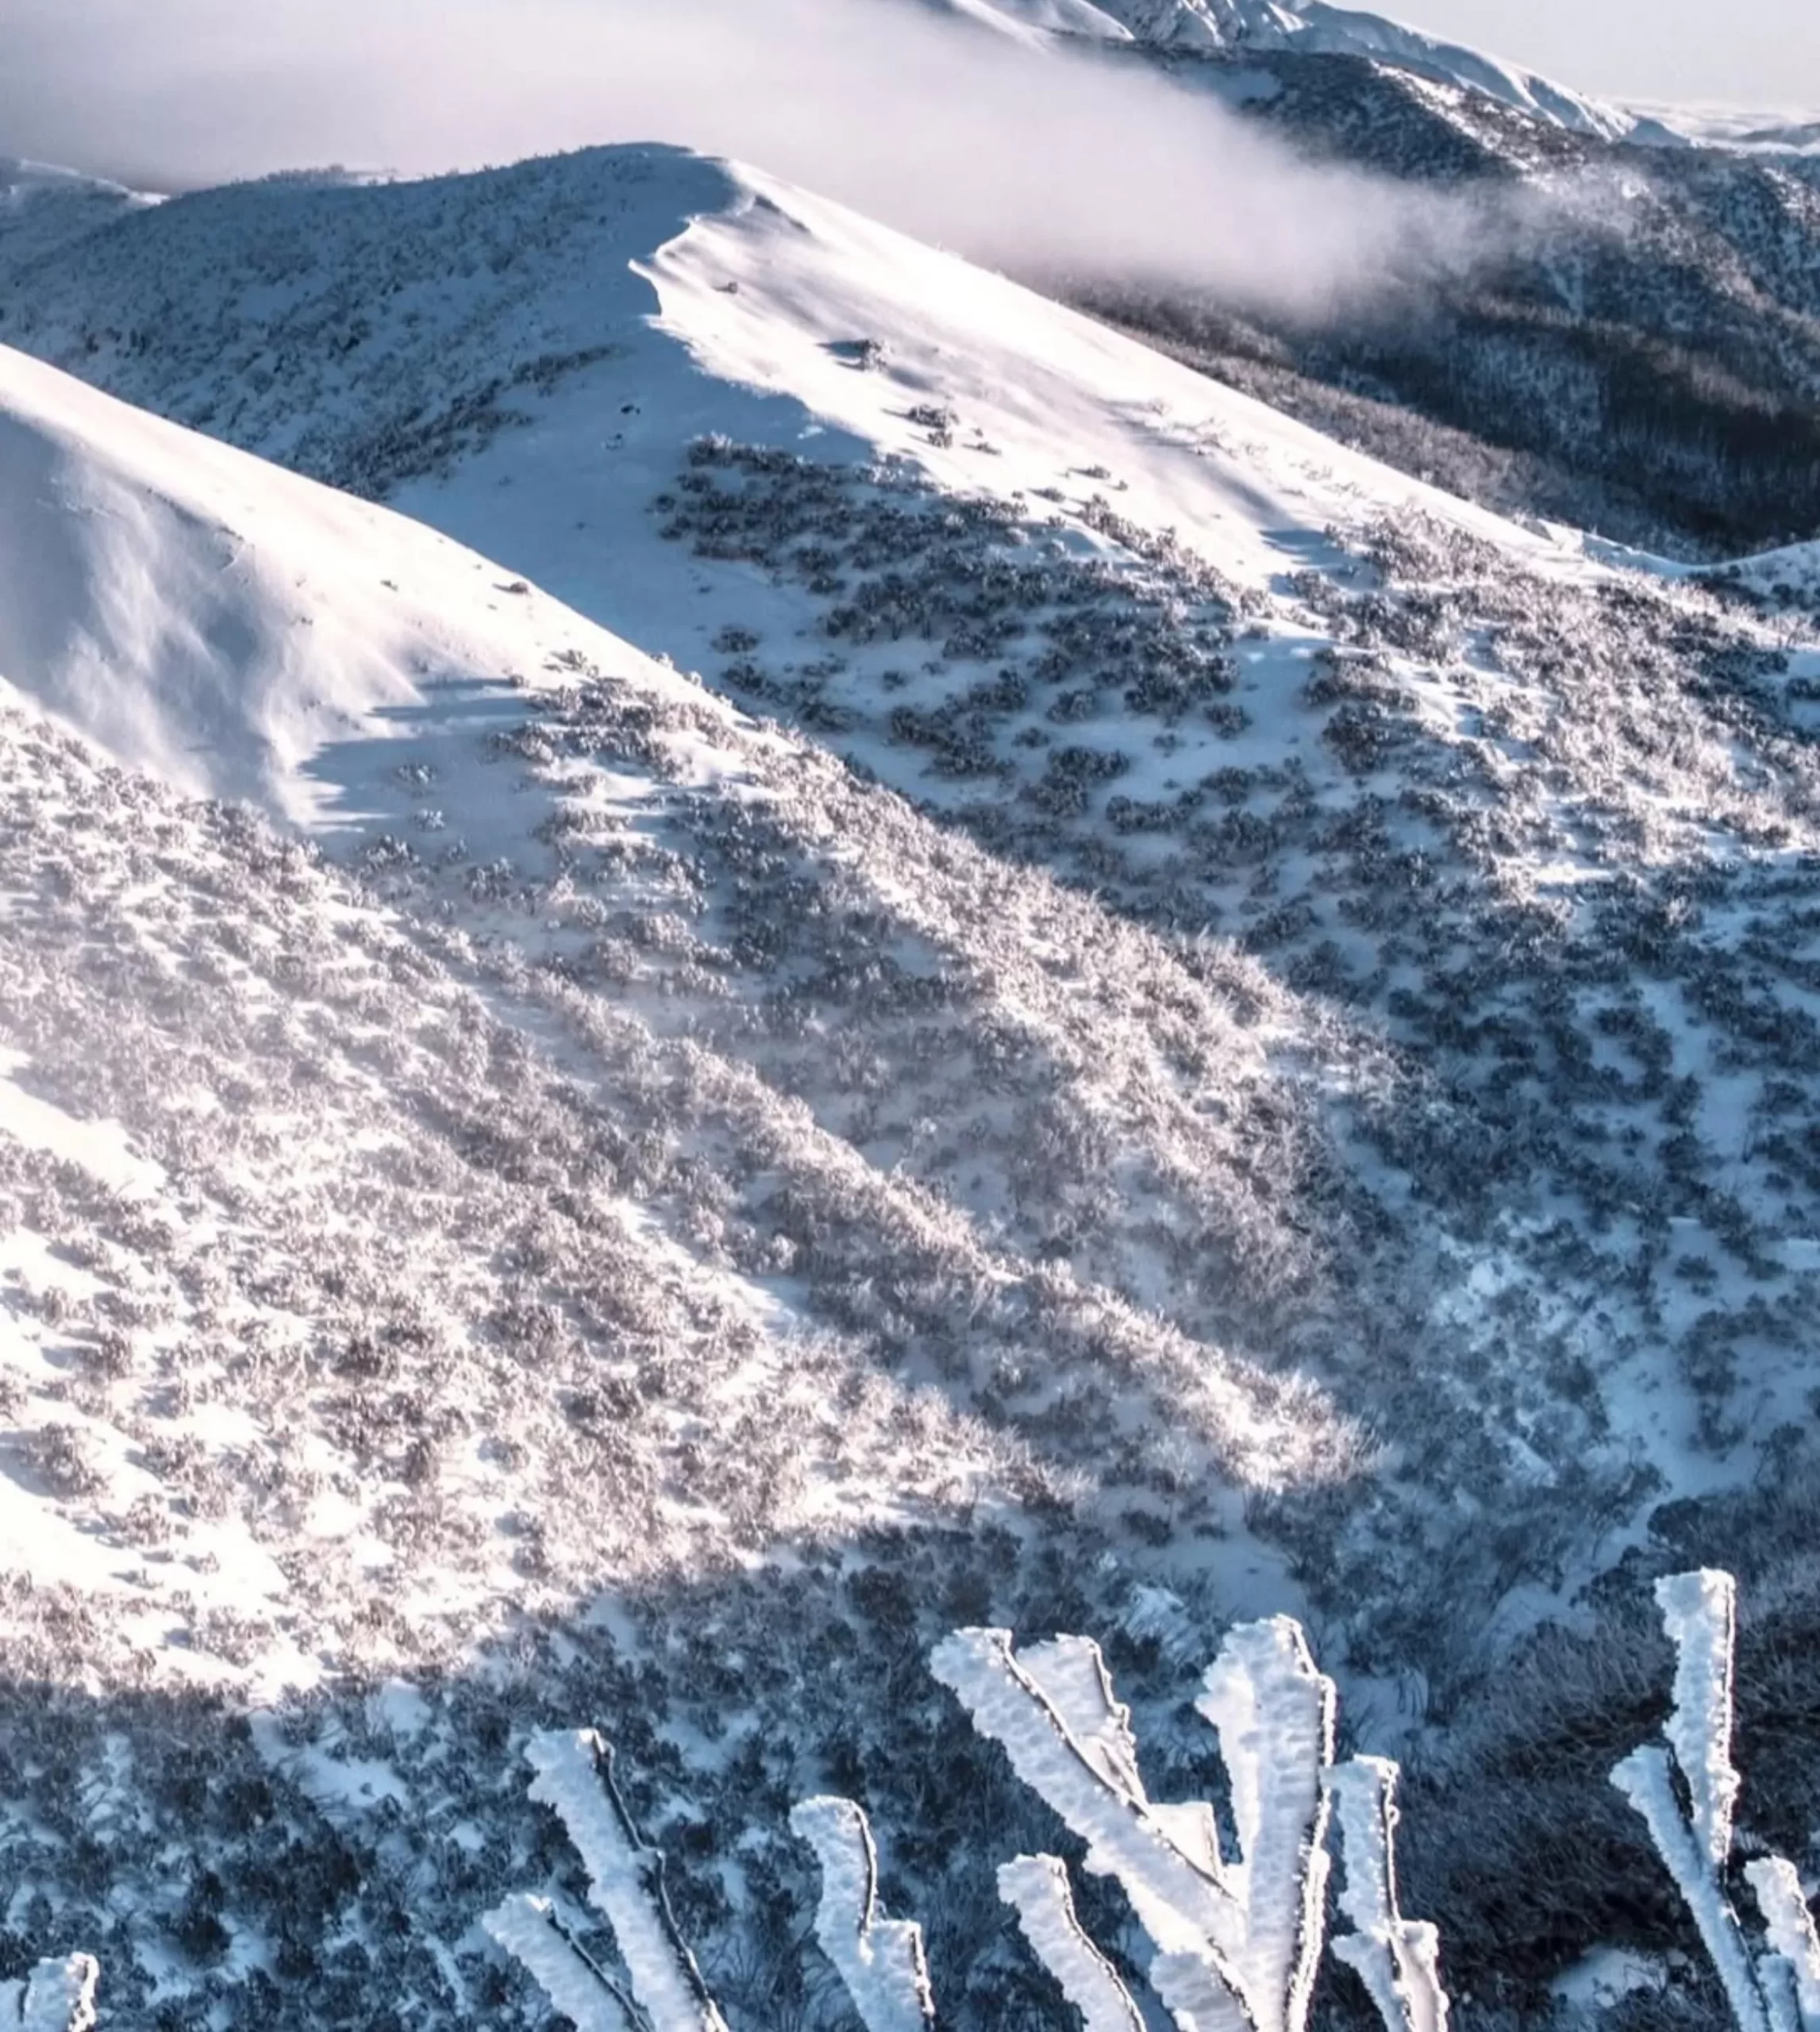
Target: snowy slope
[[42, 206], [1230, 1013], [353, 672], [634, 1161], [530, 361]]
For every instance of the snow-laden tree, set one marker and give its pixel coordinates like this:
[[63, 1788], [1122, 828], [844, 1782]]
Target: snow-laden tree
[[1237, 1939], [1775, 1986], [57, 1996]]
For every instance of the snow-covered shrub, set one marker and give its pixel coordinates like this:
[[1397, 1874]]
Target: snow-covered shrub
[[1774, 1987], [1238, 1941]]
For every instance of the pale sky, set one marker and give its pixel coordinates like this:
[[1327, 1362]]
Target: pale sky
[[1750, 52]]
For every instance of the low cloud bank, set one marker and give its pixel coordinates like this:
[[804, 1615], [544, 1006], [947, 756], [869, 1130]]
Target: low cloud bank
[[1030, 159]]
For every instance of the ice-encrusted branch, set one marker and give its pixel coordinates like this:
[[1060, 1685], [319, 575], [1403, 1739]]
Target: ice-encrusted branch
[[1238, 1942], [1051, 1709], [57, 1996], [1274, 1712], [1699, 1612], [1037, 1887], [575, 1778], [1398, 1960], [1794, 1941], [1773, 1990], [528, 1930], [880, 1960], [1646, 1779]]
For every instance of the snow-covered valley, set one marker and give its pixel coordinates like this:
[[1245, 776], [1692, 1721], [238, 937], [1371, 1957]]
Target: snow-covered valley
[[872, 959]]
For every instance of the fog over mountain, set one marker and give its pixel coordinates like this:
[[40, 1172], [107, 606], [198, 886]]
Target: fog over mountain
[[938, 126]]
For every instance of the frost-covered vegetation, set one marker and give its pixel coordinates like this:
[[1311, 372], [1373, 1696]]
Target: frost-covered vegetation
[[1236, 1932], [1163, 1074], [57, 1996], [1687, 1796], [1506, 824]]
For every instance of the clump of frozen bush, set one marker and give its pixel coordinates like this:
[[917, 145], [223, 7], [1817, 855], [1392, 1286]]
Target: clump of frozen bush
[[1237, 1936]]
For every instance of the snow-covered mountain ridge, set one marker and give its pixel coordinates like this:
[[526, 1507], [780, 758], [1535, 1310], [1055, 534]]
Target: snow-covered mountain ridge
[[1234, 1029], [1633, 347], [1313, 27], [41, 205], [540, 1203]]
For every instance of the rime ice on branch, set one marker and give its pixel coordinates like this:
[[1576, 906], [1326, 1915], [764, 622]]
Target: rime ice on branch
[[1273, 1711], [1776, 1988], [1238, 1941], [1037, 1887], [1794, 1941], [57, 1996], [529, 1931], [1398, 1960], [575, 1777], [880, 1960]]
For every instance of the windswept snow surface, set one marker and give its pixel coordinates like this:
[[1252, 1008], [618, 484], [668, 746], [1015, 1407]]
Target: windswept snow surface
[[1228, 1012], [1037, 22]]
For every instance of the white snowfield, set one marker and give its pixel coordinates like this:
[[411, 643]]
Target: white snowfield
[[161, 597]]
